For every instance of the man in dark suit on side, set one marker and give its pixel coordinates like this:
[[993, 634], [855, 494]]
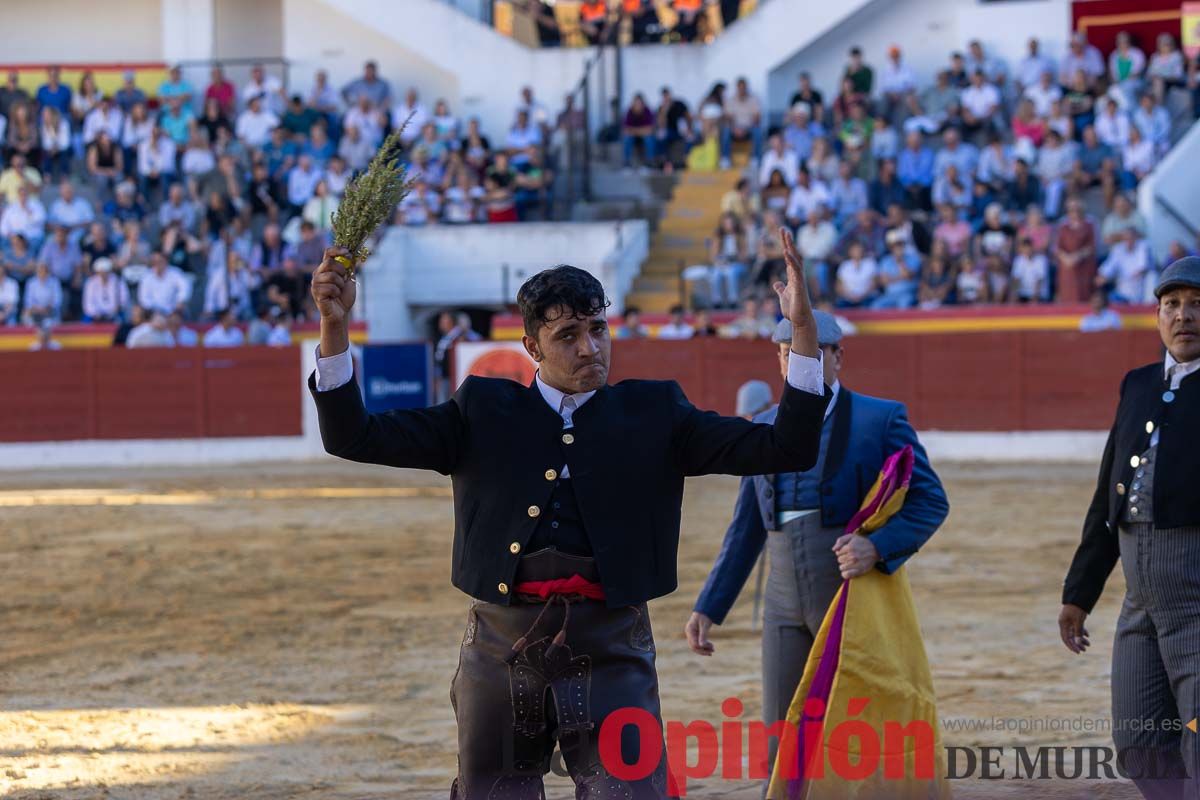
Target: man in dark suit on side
[[1146, 514], [567, 496], [800, 518]]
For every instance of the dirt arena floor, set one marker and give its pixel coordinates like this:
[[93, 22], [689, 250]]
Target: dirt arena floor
[[254, 632]]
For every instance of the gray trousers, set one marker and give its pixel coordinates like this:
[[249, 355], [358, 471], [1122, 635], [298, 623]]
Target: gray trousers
[[1156, 661], [803, 579]]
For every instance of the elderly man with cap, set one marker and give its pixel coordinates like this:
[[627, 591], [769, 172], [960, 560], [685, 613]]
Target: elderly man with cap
[[800, 517], [1146, 514]]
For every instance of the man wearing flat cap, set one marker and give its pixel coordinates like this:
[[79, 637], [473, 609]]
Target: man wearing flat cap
[[800, 518], [1146, 514]]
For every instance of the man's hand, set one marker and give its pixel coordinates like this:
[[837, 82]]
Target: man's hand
[[696, 631], [333, 290], [793, 299], [1071, 630], [855, 554]]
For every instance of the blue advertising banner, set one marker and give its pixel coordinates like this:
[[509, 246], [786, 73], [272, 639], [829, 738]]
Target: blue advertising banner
[[397, 375]]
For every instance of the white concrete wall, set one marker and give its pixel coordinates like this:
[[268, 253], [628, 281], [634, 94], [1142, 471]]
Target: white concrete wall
[[1174, 180], [417, 268], [80, 31]]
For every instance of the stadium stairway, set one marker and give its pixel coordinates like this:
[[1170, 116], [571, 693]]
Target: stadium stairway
[[679, 241]]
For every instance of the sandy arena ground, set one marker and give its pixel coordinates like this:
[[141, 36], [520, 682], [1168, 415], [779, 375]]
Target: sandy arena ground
[[232, 633]]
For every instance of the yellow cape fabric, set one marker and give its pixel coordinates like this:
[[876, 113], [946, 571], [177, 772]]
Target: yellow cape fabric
[[882, 658]]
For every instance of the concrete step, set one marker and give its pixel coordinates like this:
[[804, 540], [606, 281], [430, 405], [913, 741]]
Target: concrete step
[[652, 302]]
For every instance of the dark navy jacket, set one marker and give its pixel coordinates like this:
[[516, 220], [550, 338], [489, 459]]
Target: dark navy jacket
[[866, 430]]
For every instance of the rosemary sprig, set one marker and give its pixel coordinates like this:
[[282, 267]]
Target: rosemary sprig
[[370, 200]]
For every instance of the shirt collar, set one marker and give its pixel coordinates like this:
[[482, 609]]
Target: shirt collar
[[833, 396], [1185, 368], [554, 397]]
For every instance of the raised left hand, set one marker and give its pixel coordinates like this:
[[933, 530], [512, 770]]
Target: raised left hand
[[856, 555]]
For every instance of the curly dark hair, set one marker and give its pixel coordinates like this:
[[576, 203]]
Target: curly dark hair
[[576, 291]]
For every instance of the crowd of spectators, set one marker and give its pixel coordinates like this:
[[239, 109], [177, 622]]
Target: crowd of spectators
[[214, 204], [997, 183], [633, 21]]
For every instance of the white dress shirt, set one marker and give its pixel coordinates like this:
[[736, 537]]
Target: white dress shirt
[[220, 336], [804, 373], [1174, 372], [164, 292]]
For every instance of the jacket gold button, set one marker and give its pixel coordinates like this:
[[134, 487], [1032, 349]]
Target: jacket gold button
[[514, 548], [1134, 461], [502, 588], [1149, 427], [534, 511], [568, 438], [1120, 488], [551, 474]]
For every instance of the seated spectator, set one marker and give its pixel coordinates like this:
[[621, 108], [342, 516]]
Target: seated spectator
[[951, 189], [673, 128], [134, 130], [499, 183], [83, 101], [744, 121], [475, 147], [155, 164], [937, 279], [704, 326], [1082, 58], [266, 86], [896, 81], [1122, 216], [971, 285], [105, 116], [18, 174], [806, 93], [1030, 274], [631, 324], [254, 125], [71, 211], [1126, 268], [25, 217], [154, 332], [898, 275], [299, 119], [996, 164], [182, 335], [823, 163], [105, 165], [677, 328], [730, 255], [1055, 162], [885, 141], [23, 135], [1095, 165], [123, 208], [1024, 189], [1126, 63], [856, 129], [801, 130], [18, 258], [230, 289], [302, 179], [55, 135], [857, 277], [65, 261], [10, 297], [1036, 229], [220, 91], [376, 90], [532, 186], [806, 195], [162, 288], [213, 119], [981, 104], [461, 202], [179, 246], [268, 254], [779, 157], [319, 147], [815, 241], [1043, 94], [1078, 102], [750, 324], [1137, 159], [43, 298], [226, 332], [1112, 125], [285, 289], [1154, 123], [915, 169], [129, 95], [96, 243], [886, 189], [776, 193], [866, 229], [1167, 69], [177, 121], [1075, 255], [420, 207], [847, 194], [523, 135], [952, 231], [311, 247], [1101, 317], [742, 203], [995, 237], [105, 295], [1028, 126], [319, 209]]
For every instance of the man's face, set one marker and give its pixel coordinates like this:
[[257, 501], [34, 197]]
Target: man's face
[[573, 352], [1179, 322]]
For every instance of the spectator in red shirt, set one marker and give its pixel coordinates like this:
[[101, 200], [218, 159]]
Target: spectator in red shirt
[[221, 90], [638, 127]]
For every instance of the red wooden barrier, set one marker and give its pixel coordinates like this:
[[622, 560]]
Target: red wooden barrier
[[176, 393]]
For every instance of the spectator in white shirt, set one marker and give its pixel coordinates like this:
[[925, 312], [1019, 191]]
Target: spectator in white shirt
[[1126, 268], [182, 334], [369, 122], [10, 297], [71, 211], [537, 112], [1043, 94], [1154, 122], [815, 241], [856, 278], [135, 129], [896, 81], [322, 96], [198, 158], [414, 112], [354, 149], [268, 87], [1101, 318], [156, 162], [302, 179], [1112, 125], [1080, 56], [281, 332], [56, 143], [105, 295], [43, 297], [177, 208], [25, 217], [254, 125], [229, 289], [807, 194], [1033, 66], [1030, 274], [163, 288], [152, 333], [677, 328], [779, 157], [980, 102], [1138, 158], [105, 116], [375, 89], [521, 136], [226, 332]]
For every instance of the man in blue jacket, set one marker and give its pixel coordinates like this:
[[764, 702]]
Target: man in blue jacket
[[801, 518]]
